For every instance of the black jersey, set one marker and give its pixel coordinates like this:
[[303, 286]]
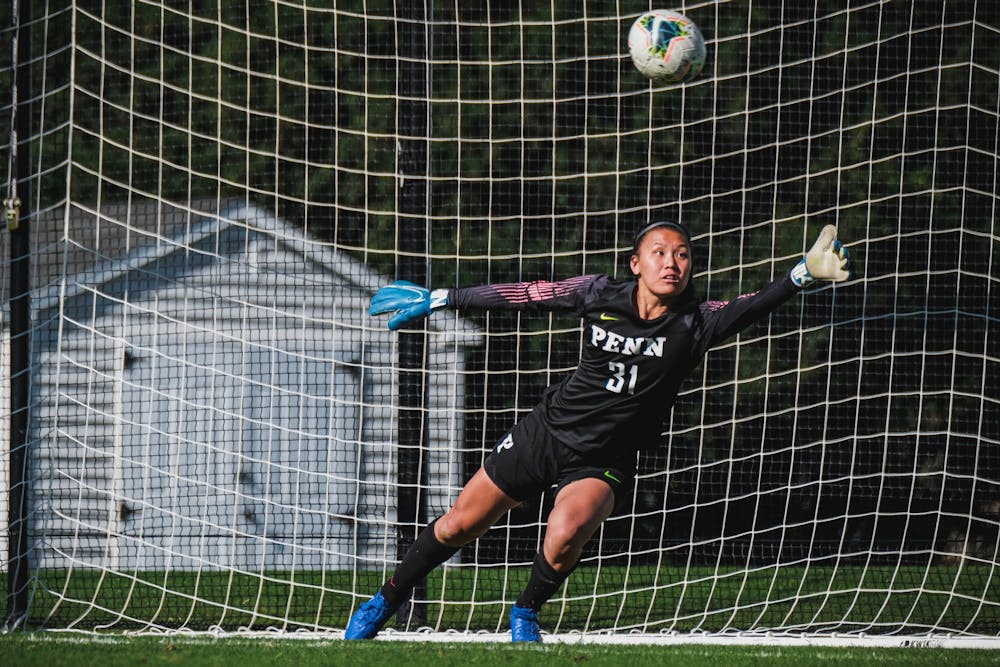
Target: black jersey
[[630, 369]]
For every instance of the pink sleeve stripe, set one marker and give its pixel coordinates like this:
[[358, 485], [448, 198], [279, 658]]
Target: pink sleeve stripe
[[539, 290]]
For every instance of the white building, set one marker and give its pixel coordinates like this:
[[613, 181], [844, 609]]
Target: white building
[[210, 392]]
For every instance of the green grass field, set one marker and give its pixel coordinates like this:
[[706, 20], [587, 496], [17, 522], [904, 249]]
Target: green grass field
[[54, 650], [104, 610], [874, 599]]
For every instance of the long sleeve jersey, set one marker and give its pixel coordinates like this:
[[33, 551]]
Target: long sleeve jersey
[[630, 369]]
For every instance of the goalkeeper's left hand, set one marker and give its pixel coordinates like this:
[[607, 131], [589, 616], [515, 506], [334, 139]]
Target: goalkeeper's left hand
[[826, 260], [411, 302]]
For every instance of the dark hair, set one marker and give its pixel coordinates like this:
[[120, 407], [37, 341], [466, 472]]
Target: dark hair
[[689, 298], [668, 224]]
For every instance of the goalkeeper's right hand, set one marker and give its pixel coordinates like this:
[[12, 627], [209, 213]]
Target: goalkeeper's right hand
[[411, 302], [826, 260]]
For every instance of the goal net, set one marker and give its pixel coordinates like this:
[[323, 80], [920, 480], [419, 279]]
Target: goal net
[[218, 437]]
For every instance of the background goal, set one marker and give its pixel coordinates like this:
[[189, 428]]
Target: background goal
[[208, 433]]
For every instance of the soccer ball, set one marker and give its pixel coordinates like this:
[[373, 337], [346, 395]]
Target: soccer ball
[[666, 47]]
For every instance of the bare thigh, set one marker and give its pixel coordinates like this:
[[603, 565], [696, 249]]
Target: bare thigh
[[480, 505], [579, 509]]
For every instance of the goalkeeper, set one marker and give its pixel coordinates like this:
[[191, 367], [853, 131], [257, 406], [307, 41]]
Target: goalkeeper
[[642, 337]]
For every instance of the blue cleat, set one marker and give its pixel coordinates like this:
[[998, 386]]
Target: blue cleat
[[524, 625], [369, 618]]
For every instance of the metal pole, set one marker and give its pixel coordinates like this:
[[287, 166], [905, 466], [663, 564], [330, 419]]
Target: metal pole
[[412, 230], [20, 323]]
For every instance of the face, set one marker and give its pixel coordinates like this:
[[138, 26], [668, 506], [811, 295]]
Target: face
[[662, 264]]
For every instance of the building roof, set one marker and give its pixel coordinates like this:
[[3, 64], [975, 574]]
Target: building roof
[[86, 247]]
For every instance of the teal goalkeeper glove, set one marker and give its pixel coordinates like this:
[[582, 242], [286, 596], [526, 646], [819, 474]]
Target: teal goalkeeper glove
[[411, 302], [826, 260]]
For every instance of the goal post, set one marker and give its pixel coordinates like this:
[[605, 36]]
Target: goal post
[[220, 439]]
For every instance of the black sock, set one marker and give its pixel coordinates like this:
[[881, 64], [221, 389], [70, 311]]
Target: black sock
[[424, 555], [543, 583]]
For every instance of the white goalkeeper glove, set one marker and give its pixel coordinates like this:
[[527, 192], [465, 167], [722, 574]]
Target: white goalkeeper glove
[[826, 260], [410, 302]]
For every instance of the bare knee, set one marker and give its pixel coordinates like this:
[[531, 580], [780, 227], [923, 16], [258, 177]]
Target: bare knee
[[564, 535], [564, 540], [457, 529]]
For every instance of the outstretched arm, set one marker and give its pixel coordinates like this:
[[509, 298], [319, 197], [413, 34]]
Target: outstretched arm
[[827, 260], [411, 302]]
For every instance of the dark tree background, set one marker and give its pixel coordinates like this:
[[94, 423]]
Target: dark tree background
[[857, 422]]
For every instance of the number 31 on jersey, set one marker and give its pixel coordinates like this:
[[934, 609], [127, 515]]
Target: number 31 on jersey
[[622, 377]]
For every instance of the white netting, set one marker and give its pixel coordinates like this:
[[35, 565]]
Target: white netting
[[221, 438]]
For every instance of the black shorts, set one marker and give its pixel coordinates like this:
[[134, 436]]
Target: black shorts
[[528, 461]]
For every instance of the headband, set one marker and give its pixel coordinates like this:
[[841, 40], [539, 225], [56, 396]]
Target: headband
[[668, 224]]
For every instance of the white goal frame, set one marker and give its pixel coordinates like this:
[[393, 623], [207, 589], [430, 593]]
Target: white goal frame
[[217, 437]]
